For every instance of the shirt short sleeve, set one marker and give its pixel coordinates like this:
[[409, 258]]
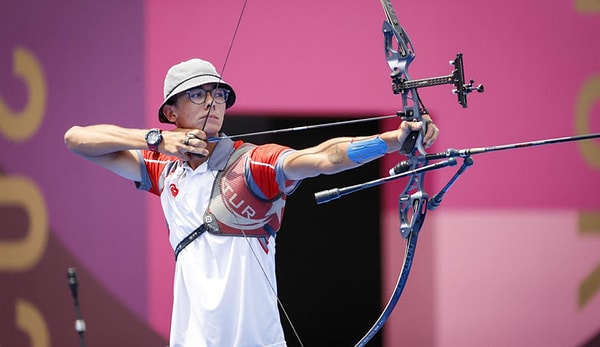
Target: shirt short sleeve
[[266, 170]]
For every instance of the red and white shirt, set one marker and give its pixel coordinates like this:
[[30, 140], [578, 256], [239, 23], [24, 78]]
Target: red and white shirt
[[225, 291]]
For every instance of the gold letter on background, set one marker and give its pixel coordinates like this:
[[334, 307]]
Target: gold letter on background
[[24, 254], [20, 125]]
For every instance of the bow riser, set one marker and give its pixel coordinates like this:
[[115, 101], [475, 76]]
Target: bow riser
[[413, 200]]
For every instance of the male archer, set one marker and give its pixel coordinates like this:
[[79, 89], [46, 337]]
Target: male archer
[[223, 201]]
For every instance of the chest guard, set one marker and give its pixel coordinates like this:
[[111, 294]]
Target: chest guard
[[234, 210]]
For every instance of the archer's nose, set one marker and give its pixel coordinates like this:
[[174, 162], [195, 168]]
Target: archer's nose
[[210, 101]]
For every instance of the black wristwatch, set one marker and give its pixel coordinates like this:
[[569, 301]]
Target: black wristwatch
[[153, 139]]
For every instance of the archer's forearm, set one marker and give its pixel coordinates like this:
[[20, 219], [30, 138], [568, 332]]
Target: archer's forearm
[[102, 139]]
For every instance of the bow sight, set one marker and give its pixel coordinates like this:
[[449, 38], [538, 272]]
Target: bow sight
[[457, 77]]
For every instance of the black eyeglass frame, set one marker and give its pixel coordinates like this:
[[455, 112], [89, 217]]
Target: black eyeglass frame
[[200, 99]]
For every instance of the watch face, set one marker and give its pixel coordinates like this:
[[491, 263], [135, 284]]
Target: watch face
[[153, 137]]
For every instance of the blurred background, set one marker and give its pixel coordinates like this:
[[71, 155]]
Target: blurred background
[[510, 258]]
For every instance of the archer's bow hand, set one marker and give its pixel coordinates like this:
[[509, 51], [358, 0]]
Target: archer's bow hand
[[431, 133], [429, 136]]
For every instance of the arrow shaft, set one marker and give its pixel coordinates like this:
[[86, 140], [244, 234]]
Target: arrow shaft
[[304, 127]]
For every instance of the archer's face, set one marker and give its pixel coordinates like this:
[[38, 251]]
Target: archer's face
[[202, 108]]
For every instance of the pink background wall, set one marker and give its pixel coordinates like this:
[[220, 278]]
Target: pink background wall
[[502, 262]]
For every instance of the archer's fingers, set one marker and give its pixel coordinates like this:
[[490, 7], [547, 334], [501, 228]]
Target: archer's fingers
[[409, 126], [195, 144], [431, 133]]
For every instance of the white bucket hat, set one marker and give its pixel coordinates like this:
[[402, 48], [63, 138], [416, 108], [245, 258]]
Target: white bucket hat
[[189, 74]]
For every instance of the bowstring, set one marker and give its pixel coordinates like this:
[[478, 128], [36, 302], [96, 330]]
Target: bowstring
[[271, 285], [237, 26], [262, 269]]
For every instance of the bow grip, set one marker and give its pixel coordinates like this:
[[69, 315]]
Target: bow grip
[[413, 138], [409, 144]]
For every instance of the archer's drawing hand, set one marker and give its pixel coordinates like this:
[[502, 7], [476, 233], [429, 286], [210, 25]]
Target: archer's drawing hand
[[182, 143]]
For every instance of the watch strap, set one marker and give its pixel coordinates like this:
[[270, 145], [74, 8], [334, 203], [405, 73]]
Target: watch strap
[[153, 146]]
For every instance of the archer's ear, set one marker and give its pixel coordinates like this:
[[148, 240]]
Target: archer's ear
[[169, 113]]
